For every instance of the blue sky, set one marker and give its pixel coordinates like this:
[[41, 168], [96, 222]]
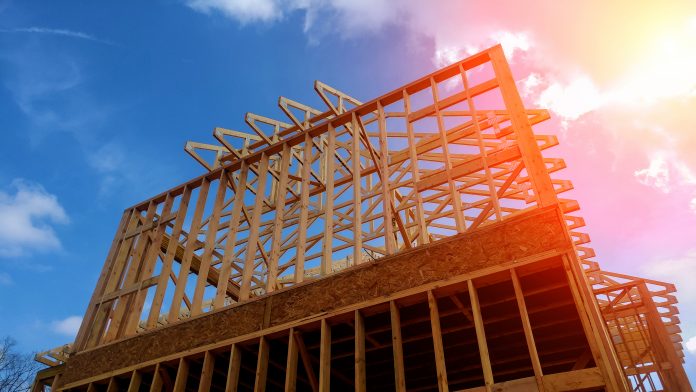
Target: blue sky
[[97, 101], [96, 104]]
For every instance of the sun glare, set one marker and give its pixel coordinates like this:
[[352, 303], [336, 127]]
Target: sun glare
[[667, 69]]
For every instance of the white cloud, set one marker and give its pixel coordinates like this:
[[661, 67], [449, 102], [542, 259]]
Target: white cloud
[[691, 345], [345, 17], [67, 326], [446, 55], [530, 84], [664, 73], [686, 175], [656, 175], [27, 211], [692, 205], [244, 11], [513, 43], [666, 171], [572, 100]]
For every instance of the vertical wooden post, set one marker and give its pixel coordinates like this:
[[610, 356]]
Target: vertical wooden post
[[253, 240], [360, 373], [527, 327], [207, 372], [306, 362], [325, 357], [113, 385], [278, 219], [233, 369], [181, 376], [397, 348], [156, 385], [481, 336], [438, 348], [261, 366], [357, 193], [135, 380], [422, 225], [327, 254], [304, 210], [389, 245], [291, 366]]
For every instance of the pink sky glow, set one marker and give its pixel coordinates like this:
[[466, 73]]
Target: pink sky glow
[[620, 81]]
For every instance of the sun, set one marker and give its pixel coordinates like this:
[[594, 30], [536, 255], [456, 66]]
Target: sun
[[665, 69]]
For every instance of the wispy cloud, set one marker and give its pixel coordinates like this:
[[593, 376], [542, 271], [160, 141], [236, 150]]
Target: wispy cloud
[[31, 88], [67, 326], [54, 92], [245, 11], [111, 163], [321, 17], [513, 44], [656, 175], [667, 172], [27, 213], [572, 100], [60, 32]]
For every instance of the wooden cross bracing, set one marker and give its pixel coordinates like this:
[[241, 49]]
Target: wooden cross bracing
[[324, 190], [302, 199]]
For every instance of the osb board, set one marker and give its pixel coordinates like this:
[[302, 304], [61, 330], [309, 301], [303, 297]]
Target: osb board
[[523, 236], [196, 332]]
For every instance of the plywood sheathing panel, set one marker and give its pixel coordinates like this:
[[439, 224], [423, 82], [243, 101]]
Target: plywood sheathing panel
[[180, 337], [529, 235], [526, 235]]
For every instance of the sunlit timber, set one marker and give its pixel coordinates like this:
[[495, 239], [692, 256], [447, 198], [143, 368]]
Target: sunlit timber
[[416, 241]]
